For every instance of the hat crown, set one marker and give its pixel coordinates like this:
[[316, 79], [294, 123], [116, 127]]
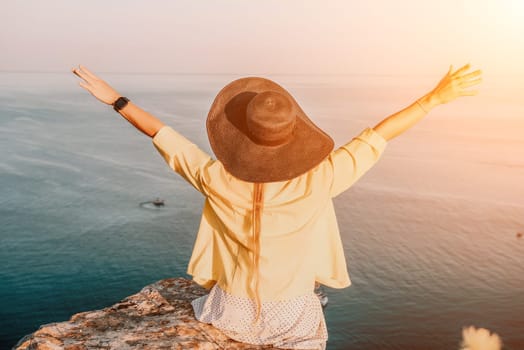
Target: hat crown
[[271, 118], [273, 141]]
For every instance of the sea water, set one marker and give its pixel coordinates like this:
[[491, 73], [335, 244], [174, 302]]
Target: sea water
[[430, 232]]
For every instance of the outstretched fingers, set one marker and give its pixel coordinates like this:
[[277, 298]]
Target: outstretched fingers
[[88, 72], [80, 74], [468, 83], [460, 70], [84, 75], [472, 74], [85, 86]]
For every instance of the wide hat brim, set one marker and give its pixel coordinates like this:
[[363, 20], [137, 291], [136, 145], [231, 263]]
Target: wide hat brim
[[249, 161]]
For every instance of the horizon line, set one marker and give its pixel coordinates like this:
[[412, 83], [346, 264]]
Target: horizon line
[[219, 73]]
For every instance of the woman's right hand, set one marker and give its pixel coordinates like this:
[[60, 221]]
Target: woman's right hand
[[96, 86], [453, 85]]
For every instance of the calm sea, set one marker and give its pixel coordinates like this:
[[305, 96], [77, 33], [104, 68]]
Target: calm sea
[[430, 232]]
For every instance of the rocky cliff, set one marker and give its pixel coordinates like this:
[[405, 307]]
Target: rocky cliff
[[160, 316]]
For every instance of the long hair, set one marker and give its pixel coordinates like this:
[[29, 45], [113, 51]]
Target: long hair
[[258, 204]]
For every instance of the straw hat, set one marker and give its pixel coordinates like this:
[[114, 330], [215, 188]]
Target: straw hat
[[260, 134]]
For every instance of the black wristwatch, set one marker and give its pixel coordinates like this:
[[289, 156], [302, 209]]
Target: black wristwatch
[[120, 103]]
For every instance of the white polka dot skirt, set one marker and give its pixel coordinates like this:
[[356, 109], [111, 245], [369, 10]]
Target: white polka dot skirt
[[297, 323]]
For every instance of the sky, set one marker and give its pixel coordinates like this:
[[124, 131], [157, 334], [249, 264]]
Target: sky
[[383, 37]]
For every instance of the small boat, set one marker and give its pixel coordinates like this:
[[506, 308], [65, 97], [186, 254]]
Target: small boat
[[154, 204], [158, 202]]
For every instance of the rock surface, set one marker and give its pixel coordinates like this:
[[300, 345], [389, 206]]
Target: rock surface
[[160, 316]]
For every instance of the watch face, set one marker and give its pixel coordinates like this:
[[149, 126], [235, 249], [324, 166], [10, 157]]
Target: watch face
[[121, 102]]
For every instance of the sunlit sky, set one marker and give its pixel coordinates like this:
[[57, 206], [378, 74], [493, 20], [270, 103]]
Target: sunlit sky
[[271, 36]]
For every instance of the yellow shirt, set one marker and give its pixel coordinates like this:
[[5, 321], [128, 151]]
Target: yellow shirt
[[300, 241]]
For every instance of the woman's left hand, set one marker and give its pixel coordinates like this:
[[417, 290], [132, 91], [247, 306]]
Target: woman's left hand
[[96, 86], [453, 85]]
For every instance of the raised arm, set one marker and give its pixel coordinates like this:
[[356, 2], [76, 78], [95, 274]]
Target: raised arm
[[451, 86], [142, 120]]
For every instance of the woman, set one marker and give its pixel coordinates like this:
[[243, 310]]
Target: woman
[[268, 231]]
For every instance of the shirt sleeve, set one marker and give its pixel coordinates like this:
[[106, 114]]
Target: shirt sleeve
[[353, 159], [183, 156]]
